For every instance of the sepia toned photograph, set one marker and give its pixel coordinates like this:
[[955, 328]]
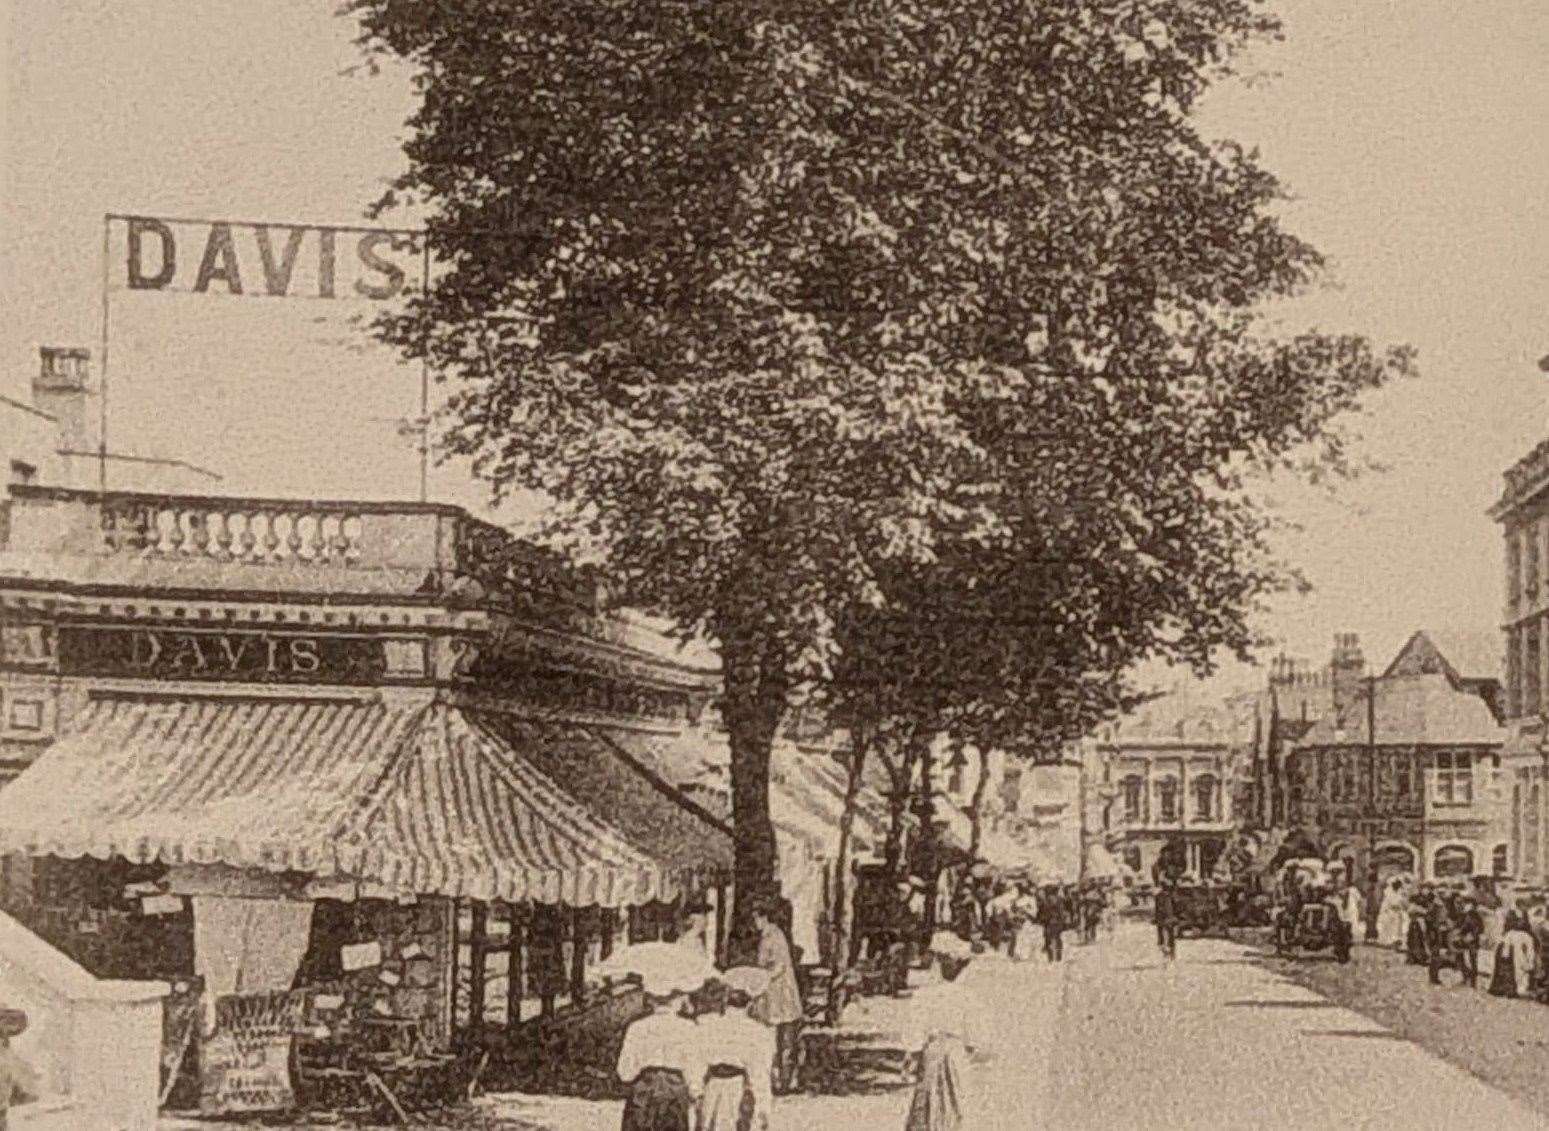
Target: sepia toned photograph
[[774, 565]]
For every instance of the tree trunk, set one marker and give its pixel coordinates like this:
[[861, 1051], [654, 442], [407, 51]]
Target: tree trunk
[[753, 703], [929, 854], [897, 811], [976, 810], [841, 914]]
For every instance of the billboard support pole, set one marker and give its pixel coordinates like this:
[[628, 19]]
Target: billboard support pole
[[102, 379]]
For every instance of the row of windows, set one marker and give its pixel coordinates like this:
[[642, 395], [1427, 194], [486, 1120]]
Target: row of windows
[[1203, 790], [1343, 776]]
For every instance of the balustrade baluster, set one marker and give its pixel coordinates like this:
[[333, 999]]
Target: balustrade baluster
[[199, 532], [246, 540], [271, 540], [220, 521]]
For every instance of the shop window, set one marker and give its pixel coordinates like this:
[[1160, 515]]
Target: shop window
[[1453, 862], [1394, 859]]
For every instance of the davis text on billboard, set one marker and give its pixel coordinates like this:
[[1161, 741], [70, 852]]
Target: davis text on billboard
[[273, 260]]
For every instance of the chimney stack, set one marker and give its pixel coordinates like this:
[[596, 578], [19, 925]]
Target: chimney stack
[[1347, 667], [61, 389]]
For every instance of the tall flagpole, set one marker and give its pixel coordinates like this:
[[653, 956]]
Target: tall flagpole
[[102, 379]]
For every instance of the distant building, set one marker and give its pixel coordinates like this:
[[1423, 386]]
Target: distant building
[[1400, 773], [1165, 776], [1523, 513], [53, 441]]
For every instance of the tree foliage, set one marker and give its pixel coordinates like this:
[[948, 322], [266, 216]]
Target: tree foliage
[[918, 326]]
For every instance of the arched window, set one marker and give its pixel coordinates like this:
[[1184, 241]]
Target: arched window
[[1133, 787], [1500, 860], [1167, 799], [1394, 859], [1453, 861], [1204, 798]]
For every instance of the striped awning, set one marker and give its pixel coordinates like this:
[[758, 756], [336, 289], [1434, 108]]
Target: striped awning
[[414, 796]]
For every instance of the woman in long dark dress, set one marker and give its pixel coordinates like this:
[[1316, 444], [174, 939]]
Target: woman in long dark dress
[[1416, 944], [1515, 959]]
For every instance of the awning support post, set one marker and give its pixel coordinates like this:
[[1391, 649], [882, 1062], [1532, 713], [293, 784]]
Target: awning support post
[[577, 956]]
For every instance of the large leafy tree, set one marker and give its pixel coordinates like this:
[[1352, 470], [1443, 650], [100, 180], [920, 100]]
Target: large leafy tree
[[781, 300]]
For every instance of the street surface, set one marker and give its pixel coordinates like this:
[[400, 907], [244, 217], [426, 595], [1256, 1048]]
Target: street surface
[[1117, 1039], [1218, 1039]]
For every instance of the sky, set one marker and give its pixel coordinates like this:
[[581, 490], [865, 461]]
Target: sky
[[1410, 133]]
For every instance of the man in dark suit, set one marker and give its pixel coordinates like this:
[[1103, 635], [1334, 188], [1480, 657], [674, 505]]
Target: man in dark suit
[[1166, 915]]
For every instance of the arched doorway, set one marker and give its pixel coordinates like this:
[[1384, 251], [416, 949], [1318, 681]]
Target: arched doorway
[[1452, 862]]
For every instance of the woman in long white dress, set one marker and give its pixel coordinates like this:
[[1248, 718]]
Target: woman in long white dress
[[1026, 939], [1393, 916], [943, 1026]]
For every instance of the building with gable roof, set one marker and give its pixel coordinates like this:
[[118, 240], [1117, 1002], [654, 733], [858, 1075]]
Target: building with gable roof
[[1400, 772]]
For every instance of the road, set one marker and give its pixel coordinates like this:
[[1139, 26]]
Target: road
[[1216, 1040]]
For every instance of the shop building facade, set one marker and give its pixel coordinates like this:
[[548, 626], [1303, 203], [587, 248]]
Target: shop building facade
[[405, 750], [1401, 774]]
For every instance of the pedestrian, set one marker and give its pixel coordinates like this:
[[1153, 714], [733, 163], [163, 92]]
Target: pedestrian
[[941, 1018], [1416, 932], [1165, 912], [1468, 930], [1024, 940], [661, 1061], [18, 1082], [739, 1055], [1393, 915], [780, 1005], [1516, 959], [1052, 915], [1438, 935]]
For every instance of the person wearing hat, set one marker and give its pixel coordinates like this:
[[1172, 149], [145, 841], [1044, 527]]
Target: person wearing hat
[[1052, 915], [779, 1005], [942, 1026], [1415, 930], [739, 1054], [662, 1062], [18, 1082], [1468, 930], [1438, 934], [895, 937]]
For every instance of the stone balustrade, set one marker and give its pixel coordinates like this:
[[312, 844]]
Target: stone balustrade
[[232, 530]]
